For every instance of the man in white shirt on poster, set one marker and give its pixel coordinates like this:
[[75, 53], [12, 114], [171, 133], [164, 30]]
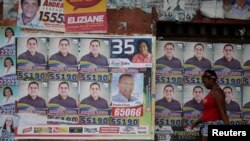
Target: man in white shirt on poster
[[29, 17], [240, 10]]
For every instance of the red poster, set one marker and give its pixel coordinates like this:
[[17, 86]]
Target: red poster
[[85, 16]]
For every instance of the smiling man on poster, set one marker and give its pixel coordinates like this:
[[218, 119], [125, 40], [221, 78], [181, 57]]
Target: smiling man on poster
[[126, 88], [29, 17]]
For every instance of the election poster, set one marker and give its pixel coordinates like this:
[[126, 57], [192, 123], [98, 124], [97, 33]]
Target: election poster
[[104, 100], [95, 103], [45, 15], [8, 64], [8, 98], [32, 97], [246, 57], [172, 10], [8, 40], [180, 10], [8, 123], [207, 5], [230, 53], [246, 65], [32, 57], [134, 91], [168, 105], [246, 105], [169, 57], [8, 118], [63, 102], [131, 52], [233, 99], [8, 73], [169, 123], [94, 55], [130, 104], [177, 133], [237, 9], [10, 9], [197, 57], [228, 60], [63, 59], [32, 104], [131, 62], [183, 10], [87, 16], [169, 60], [193, 102]]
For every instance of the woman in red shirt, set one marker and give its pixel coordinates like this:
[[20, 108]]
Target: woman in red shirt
[[214, 111]]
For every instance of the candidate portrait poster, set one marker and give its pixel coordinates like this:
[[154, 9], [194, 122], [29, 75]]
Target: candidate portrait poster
[[61, 89], [8, 65], [35, 89], [63, 101], [47, 15], [236, 9], [8, 40], [8, 122], [197, 56], [246, 57], [135, 90], [97, 47], [233, 99], [228, 61], [135, 52], [63, 58], [246, 105], [168, 106], [228, 52], [193, 96], [102, 89], [246, 65], [32, 57], [94, 103], [28, 109], [3, 96], [169, 56]]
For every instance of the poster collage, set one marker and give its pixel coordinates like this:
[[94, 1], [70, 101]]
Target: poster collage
[[78, 87], [59, 82], [180, 91], [90, 17], [110, 86], [186, 10], [57, 15]]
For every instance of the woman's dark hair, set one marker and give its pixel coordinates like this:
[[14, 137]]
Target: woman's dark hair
[[8, 58], [210, 74], [38, 1], [143, 41], [11, 127], [6, 89], [9, 28]]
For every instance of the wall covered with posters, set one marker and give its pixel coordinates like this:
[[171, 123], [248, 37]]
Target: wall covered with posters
[[92, 87], [179, 88]]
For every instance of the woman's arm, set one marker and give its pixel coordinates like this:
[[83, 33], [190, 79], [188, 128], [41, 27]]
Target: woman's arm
[[198, 121]]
